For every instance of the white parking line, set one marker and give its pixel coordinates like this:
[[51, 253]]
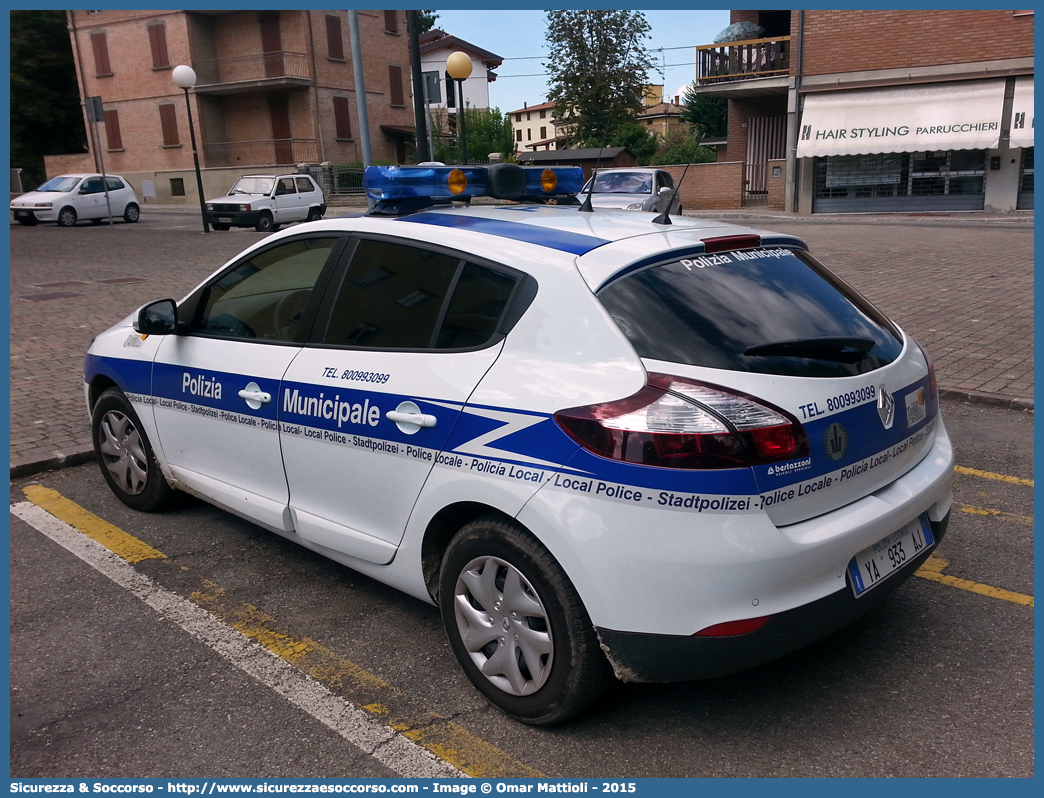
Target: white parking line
[[353, 724]]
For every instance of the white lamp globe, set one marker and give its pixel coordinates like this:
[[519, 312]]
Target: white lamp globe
[[184, 77]]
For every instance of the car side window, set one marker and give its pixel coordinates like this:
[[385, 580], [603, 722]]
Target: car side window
[[114, 183], [396, 296], [266, 296], [286, 186], [92, 185], [304, 184], [666, 180]]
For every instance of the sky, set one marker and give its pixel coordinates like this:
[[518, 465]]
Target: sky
[[518, 37]]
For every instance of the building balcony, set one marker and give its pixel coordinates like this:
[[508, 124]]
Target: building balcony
[[252, 72], [265, 152], [748, 68]]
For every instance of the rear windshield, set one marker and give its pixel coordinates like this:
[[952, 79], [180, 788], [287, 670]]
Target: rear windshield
[[771, 311]]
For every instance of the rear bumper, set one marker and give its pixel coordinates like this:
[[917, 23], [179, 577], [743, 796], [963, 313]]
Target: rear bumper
[[638, 657]]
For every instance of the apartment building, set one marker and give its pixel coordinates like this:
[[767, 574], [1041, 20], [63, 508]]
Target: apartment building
[[274, 89], [877, 111], [534, 127]]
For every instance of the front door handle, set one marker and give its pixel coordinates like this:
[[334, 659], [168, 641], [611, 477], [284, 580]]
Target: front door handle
[[409, 418], [419, 419], [254, 396]]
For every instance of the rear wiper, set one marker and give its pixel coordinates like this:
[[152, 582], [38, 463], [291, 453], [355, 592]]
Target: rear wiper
[[839, 349]]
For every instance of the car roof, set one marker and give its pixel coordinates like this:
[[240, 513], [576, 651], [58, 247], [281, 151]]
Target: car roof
[[601, 243], [79, 175]]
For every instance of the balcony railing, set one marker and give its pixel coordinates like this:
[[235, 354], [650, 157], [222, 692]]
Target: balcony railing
[[251, 68], [267, 152], [756, 58]]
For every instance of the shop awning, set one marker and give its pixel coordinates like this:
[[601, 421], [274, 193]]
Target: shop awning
[[1022, 114], [944, 116]]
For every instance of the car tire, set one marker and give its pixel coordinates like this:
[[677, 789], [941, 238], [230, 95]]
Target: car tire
[[498, 582], [221, 227], [66, 217], [314, 215], [265, 223], [28, 222], [131, 213], [125, 456]]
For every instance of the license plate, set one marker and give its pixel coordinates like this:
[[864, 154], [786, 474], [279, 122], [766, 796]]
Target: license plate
[[224, 220], [876, 563]]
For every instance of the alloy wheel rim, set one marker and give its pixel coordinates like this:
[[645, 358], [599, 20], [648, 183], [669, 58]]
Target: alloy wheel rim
[[503, 625], [123, 452]]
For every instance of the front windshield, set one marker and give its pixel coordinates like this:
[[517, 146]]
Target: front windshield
[[623, 183], [252, 185], [62, 184]]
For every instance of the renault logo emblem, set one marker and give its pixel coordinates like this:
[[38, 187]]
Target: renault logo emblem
[[885, 407]]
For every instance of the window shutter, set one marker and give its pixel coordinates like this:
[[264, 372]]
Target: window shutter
[[112, 130], [342, 120], [158, 41], [101, 54], [395, 79], [334, 41], [391, 21], [169, 123]]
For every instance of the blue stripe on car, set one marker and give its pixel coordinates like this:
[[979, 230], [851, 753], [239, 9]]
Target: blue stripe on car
[[562, 240]]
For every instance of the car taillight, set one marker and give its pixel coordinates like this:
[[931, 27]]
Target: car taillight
[[933, 385], [679, 423], [731, 628]]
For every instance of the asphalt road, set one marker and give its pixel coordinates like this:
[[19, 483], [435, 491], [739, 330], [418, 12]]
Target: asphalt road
[[937, 682]]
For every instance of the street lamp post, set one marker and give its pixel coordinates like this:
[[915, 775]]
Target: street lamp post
[[185, 78], [458, 67]]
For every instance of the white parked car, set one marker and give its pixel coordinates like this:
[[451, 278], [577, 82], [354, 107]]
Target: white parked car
[[67, 199], [633, 189], [600, 444], [265, 202]]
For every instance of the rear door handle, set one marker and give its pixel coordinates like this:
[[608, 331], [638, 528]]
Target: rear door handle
[[254, 396]]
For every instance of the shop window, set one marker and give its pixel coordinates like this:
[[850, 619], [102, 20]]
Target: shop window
[[334, 39]]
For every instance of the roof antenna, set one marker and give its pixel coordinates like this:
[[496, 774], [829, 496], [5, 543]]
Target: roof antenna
[[664, 218], [586, 207]]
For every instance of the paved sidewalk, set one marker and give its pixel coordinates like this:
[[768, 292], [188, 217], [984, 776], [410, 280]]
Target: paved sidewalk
[[962, 284]]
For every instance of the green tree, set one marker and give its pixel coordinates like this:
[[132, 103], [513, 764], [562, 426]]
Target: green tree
[[426, 20], [46, 117], [598, 70], [682, 147], [637, 139], [487, 130], [709, 115]]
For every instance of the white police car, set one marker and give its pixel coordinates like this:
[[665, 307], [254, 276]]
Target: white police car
[[601, 444]]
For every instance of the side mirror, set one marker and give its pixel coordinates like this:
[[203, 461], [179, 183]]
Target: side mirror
[[666, 191], [158, 318]]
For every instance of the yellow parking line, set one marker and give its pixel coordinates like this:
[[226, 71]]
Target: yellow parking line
[[1025, 520], [447, 740], [932, 569], [974, 472], [97, 529], [444, 738]]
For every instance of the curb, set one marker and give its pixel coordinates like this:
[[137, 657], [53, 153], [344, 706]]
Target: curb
[[28, 466]]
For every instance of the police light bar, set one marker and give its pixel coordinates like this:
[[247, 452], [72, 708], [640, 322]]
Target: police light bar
[[404, 189]]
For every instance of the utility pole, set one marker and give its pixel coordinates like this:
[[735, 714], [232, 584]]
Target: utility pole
[[412, 20]]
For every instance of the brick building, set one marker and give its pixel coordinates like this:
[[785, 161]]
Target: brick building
[[274, 88], [880, 110]]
